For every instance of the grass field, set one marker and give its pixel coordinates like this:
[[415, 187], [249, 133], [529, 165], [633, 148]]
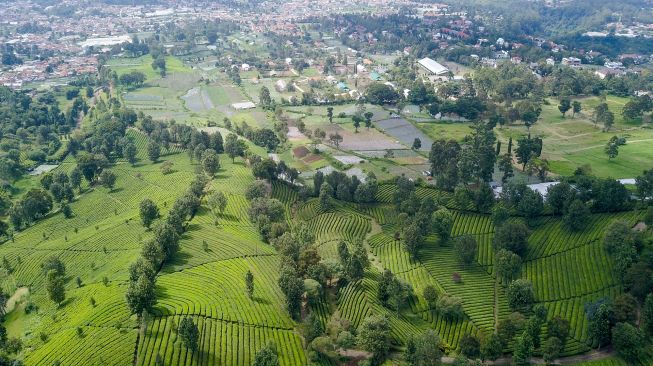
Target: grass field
[[575, 141]]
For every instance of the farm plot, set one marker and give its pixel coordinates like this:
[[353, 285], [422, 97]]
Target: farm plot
[[197, 100], [476, 288], [404, 132], [216, 290], [551, 237], [220, 343], [363, 140], [99, 242], [331, 228], [97, 346], [358, 300]]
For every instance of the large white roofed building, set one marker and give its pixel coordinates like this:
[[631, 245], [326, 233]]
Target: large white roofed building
[[433, 66]]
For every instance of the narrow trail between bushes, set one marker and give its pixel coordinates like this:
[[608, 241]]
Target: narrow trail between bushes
[[376, 228]]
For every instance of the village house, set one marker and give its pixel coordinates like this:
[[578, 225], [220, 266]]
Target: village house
[[571, 61]]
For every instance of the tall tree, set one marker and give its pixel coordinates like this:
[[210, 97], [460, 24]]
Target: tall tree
[[576, 108], [264, 97], [267, 356], [466, 248], [564, 106], [140, 294], [330, 114], [189, 333], [374, 337], [55, 287], [148, 212], [153, 151], [249, 284], [210, 162]]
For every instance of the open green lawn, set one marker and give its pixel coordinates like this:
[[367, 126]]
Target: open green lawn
[[575, 140], [445, 130]]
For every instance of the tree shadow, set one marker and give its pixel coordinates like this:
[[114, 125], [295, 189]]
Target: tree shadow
[[181, 258], [260, 300]]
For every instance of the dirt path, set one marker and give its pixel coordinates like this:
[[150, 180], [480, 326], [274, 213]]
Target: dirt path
[[496, 302], [15, 298], [376, 228], [570, 360], [597, 146]]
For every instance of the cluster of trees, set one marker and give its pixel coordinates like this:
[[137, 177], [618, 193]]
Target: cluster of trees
[[418, 218], [393, 292], [35, 204], [340, 186], [55, 272], [32, 125], [472, 161], [133, 79], [603, 115], [263, 137], [574, 199], [268, 215], [163, 247], [159, 63], [352, 261], [615, 322], [636, 107], [106, 140], [269, 170], [379, 93], [611, 148]]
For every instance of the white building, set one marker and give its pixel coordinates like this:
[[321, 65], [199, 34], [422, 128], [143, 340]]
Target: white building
[[433, 67], [243, 105]]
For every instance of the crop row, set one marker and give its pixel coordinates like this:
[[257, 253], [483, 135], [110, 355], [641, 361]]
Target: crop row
[[358, 300], [573, 309], [578, 271], [471, 223], [217, 290], [552, 237], [96, 346], [220, 343], [476, 287], [329, 226]]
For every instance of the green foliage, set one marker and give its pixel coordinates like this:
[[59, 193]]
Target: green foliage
[[520, 294], [153, 151], [491, 347], [601, 317], [551, 349], [470, 346], [523, 349], [267, 356], [374, 337], [512, 236], [140, 294], [379, 93], [189, 333], [647, 314], [423, 349], [507, 264], [442, 222], [628, 341], [148, 212], [55, 287], [576, 216]]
